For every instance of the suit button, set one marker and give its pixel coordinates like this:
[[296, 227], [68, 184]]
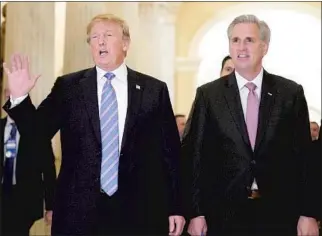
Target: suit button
[[253, 162]]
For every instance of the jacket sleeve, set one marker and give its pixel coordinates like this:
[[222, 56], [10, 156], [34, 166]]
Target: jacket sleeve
[[191, 156]]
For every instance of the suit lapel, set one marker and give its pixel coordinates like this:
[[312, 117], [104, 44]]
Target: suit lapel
[[268, 95], [135, 90], [89, 87], [234, 104]]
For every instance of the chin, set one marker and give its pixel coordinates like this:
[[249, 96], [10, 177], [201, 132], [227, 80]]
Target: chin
[[242, 67], [102, 62]]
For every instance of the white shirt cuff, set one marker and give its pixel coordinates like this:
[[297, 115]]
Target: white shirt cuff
[[17, 101]]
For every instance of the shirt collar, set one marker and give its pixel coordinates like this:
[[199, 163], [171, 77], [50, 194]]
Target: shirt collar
[[120, 73], [241, 81]]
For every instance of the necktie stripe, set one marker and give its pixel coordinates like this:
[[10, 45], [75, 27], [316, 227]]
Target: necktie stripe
[[108, 108], [115, 138], [107, 100], [114, 188], [110, 152], [114, 175], [111, 132], [112, 182], [110, 167], [109, 120], [112, 149], [109, 175]]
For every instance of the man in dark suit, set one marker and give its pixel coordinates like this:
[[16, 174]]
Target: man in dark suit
[[120, 144], [246, 142], [28, 177]]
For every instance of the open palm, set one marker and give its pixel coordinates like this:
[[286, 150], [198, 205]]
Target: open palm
[[20, 82]]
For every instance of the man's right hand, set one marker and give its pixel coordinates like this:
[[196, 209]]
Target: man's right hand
[[197, 226], [20, 81]]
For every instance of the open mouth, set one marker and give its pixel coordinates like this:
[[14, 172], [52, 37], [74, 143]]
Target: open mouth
[[103, 52], [242, 56]]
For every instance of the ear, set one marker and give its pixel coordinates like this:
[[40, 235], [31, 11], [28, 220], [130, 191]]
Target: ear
[[126, 45], [264, 47]]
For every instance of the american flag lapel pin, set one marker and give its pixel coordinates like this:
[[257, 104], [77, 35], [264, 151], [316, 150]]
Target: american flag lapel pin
[[269, 94], [137, 87]]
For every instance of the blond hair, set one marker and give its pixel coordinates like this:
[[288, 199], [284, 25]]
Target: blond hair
[[265, 32], [109, 17]]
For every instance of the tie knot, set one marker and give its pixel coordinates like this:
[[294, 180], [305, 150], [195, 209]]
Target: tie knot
[[109, 76], [251, 86]]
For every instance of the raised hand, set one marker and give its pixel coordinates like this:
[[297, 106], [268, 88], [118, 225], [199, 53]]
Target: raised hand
[[20, 81]]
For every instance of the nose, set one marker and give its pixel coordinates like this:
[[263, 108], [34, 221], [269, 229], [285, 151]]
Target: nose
[[101, 41], [241, 46]]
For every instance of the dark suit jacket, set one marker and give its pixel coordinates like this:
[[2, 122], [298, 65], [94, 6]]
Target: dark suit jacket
[[148, 183], [35, 175], [221, 162]]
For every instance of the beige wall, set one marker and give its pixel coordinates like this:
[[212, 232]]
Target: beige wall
[[195, 16], [1, 5]]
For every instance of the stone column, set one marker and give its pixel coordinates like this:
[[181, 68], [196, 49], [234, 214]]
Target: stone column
[[186, 83], [78, 15], [157, 41]]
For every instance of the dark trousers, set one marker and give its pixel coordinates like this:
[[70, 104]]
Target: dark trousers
[[110, 221], [254, 217], [14, 221], [114, 218]]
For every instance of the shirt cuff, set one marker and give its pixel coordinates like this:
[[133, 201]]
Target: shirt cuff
[[16, 101]]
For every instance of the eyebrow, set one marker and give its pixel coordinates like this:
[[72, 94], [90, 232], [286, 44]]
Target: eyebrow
[[106, 31], [248, 37]]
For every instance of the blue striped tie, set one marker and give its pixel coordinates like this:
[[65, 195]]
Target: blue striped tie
[[109, 137]]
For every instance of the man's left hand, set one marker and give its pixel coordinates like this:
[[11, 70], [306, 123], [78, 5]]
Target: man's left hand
[[176, 224], [307, 226]]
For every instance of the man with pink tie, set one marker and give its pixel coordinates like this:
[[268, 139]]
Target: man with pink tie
[[246, 144]]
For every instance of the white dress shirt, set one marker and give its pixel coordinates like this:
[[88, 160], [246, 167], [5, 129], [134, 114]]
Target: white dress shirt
[[120, 85], [243, 91], [7, 131]]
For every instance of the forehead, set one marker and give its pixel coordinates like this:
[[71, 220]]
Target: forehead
[[105, 25], [245, 30]]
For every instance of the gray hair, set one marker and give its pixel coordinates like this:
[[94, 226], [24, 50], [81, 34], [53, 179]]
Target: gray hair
[[265, 32]]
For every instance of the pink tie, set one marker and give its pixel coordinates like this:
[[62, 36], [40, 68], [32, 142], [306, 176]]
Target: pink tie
[[252, 113]]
